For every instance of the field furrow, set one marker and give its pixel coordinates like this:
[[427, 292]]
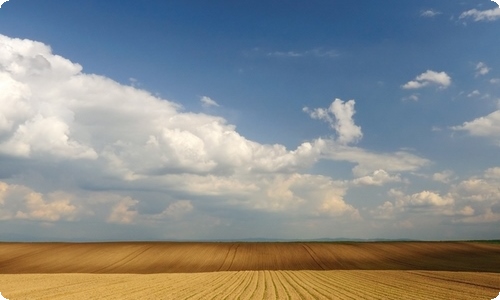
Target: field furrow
[[255, 285]]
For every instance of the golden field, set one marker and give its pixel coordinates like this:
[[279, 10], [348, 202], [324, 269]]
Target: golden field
[[149, 270]]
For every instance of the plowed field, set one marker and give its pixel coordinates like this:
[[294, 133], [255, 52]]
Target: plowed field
[[146, 258], [415, 270], [255, 285]]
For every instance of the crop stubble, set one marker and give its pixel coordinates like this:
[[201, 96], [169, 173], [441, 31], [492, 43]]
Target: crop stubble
[[410, 270]]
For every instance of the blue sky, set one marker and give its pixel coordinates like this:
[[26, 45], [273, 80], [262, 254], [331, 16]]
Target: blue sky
[[186, 120]]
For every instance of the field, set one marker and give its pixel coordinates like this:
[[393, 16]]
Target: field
[[395, 270]]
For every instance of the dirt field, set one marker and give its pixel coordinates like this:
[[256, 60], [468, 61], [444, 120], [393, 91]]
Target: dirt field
[[146, 258], [415, 270], [256, 285]]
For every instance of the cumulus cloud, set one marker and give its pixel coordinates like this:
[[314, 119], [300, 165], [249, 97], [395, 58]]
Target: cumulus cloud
[[2, 2], [482, 15], [21, 202], [54, 110], [208, 102], [429, 77], [123, 138], [487, 126], [339, 117], [472, 201], [424, 202], [378, 178], [482, 69], [118, 141]]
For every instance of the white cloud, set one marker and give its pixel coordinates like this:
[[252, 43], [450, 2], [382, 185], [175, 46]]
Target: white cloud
[[430, 13], [424, 202], [440, 79], [482, 15], [339, 116], [482, 69], [487, 217], [208, 102], [445, 177], [176, 209], [317, 52], [424, 199], [121, 138], [21, 202], [379, 178], [474, 200], [368, 162], [487, 126], [123, 135], [474, 93], [413, 97], [478, 189], [495, 81], [122, 212], [2, 2], [55, 111]]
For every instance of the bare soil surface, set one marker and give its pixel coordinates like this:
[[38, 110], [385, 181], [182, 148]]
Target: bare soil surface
[[173, 257], [341, 284]]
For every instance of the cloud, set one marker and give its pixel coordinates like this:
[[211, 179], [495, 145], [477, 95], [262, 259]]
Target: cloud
[[474, 93], [413, 97], [109, 136], [339, 117], [482, 15], [122, 212], [76, 145], [378, 178], [2, 2], [482, 69], [318, 52], [208, 102], [176, 209], [21, 202], [471, 201], [440, 79], [487, 126], [495, 80], [54, 111], [430, 13], [368, 162], [424, 202], [445, 177]]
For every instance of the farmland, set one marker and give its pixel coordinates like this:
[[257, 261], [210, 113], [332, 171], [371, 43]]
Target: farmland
[[409, 270]]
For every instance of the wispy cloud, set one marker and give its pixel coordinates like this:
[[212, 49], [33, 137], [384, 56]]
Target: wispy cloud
[[430, 13], [318, 52], [208, 102], [482, 69], [482, 15]]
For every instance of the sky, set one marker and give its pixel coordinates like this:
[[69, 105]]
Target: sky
[[189, 120]]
